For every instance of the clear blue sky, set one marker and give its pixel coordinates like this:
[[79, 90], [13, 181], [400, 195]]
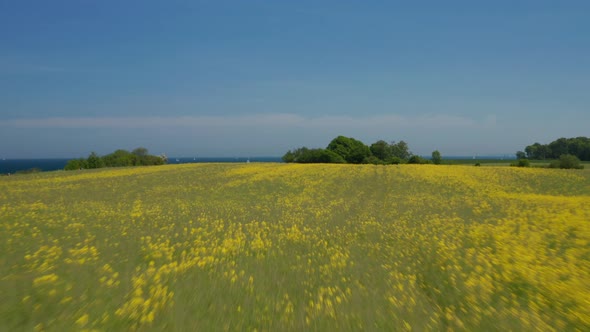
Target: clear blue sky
[[252, 78]]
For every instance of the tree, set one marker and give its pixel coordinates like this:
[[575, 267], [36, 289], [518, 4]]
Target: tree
[[577, 146], [391, 153], [436, 157], [543, 151], [140, 152], [418, 160], [395, 161], [373, 160], [559, 147], [537, 151], [300, 155], [94, 161], [327, 156], [381, 150], [120, 158], [76, 164], [305, 155], [153, 160], [531, 151], [350, 149], [520, 155], [142, 156], [289, 157], [400, 150]]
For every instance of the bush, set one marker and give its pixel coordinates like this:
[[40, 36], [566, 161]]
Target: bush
[[305, 156], [119, 158], [418, 160], [94, 161], [436, 157], [76, 164], [351, 150], [395, 161], [327, 156], [521, 163], [567, 161], [373, 160]]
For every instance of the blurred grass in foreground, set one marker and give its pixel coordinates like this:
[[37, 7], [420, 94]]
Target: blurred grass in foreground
[[281, 247]]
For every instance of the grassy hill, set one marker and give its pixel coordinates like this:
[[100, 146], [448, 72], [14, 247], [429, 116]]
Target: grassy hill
[[280, 247]]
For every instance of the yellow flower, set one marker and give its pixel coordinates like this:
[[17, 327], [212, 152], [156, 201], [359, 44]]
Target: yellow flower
[[82, 321], [46, 279]]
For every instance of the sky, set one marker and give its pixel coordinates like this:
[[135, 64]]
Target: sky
[[257, 78]]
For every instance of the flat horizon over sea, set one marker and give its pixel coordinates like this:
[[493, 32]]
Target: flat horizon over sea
[[55, 164], [10, 166]]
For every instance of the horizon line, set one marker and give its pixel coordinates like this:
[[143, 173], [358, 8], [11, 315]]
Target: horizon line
[[451, 156]]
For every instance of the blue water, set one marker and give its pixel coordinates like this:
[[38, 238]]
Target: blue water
[[186, 160], [14, 165]]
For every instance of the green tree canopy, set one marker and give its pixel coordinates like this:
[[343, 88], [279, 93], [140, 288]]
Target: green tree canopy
[[350, 149], [76, 164], [94, 161], [305, 155], [119, 158], [381, 150], [400, 150], [414, 159], [577, 146], [436, 157], [344, 149]]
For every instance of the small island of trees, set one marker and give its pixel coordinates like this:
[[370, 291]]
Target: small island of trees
[[564, 153], [352, 151], [119, 158]]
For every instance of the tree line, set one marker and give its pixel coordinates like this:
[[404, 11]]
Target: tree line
[[576, 146], [352, 151], [119, 158]]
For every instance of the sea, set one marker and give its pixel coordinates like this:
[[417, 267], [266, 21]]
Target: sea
[[11, 166]]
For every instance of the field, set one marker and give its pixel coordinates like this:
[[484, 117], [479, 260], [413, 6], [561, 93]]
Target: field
[[503, 162], [277, 247]]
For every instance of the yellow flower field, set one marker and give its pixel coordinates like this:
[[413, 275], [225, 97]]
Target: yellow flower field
[[284, 247]]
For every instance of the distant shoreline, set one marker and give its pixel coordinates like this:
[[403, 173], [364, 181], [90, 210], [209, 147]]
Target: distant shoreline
[[53, 164]]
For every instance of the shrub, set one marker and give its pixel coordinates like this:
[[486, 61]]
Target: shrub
[[94, 161], [436, 157], [76, 164], [351, 150], [373, 160], [418, 160], [395, 161], [305, 155], [567, 161], [521, 163]]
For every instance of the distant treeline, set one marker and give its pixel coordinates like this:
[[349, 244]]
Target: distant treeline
[[577, 146], [119, 158], [352, 151]]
